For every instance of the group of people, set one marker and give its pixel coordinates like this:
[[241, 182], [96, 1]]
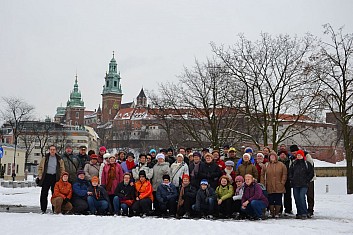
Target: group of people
[[183, 185]]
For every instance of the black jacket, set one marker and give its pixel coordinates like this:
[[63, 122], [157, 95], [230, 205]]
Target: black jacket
[[100, 194], [202, 195], [125, 192], [300, 173], [196, 179], [190, 192], [211, 172]]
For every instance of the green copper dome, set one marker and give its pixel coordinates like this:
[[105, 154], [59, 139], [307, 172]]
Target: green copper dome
[[75, 97], [112, 79]]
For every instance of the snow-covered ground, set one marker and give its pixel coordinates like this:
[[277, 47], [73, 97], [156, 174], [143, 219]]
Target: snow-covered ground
[[333, 215], [319, 163]]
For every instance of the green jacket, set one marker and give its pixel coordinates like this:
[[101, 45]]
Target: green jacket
[[224, 192]]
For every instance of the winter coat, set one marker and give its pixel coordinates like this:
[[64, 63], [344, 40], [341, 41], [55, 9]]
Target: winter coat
[[253, 192], [124, 167], [170, 160], [118, 177], [196, 178], [224, 192], [91, 170], [247, 168], [203, 195], [220, 164], [310, 159], [71, 166], [166, 193], [139, 167], [274, 177], [176, 172], [211, 172], [43, 166], [240, 161], [62, 189], [80, 188], [300, 173], [189, 191], [82, 159], [238, 193], [158, 171], [125, 192], [144, 190], [99, 193]]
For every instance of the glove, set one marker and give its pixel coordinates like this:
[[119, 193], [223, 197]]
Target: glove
[[66, 200]]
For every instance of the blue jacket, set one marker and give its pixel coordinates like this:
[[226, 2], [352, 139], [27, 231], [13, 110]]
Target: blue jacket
[[166, 193], [80, 188]]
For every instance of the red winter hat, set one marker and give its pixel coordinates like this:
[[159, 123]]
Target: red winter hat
[[94, 156], [103, 149], [185, 176], [301, 152]]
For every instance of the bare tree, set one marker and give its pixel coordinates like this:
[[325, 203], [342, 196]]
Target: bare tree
[[274, 76], [201, 103], [14, 113], [335, 70]]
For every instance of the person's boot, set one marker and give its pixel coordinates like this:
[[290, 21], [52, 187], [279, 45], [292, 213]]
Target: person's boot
[[272, 211], [277, 211]]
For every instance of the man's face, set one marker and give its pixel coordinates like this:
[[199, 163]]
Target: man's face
[[68, 150], [153, 154], [283, 156], [182, 151], [232, 154], [130, 158], [65, 178], [149, 159], [83, 151], [52, 150], [215, 155], [225, 150], [170, 153], [266, 151], [165, 181], [203, 186], [81, 176], [143, 159]]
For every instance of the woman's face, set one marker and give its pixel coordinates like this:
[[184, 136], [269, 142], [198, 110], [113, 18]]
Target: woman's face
[[238, 183], [112, 160], [130, 158], [208, 159], [224, 182], [273, 158], [126, 179], [248, 179], [179, 159], [229, 168], [149, 159], [259, 159], [215, 155], [143, 159], [246, 158], [65, 178]]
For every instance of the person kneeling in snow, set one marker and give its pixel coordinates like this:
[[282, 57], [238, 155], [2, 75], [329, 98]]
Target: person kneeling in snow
[[187, 195], [253, 200], [167, 195], [98, 199], [205, 200], [62, 195], [144, 198], [125, 195], [224, 194]]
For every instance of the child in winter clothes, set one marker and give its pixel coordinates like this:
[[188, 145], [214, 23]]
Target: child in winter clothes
[[62, 195], [205, 200], [166, 196], [187, 195], [98, 200], [125, 195], [238, 194], [224, 194]]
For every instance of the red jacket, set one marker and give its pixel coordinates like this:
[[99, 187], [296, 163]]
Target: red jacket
[[144, 190], [118, 177], [221, 164], [62, 189]]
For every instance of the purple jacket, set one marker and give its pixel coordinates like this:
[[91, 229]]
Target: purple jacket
[[253, 192]]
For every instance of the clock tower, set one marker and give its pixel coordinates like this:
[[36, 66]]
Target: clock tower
[[112, 93]]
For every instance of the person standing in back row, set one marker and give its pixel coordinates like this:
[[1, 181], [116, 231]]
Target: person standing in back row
[[49, 171]]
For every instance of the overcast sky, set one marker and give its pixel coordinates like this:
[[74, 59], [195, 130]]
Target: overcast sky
[[43, 43]]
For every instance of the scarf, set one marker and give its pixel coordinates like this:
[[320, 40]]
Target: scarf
[[228, 173], [97, 193], [196, 169], [130, 165], [111, 176], [181, 194], [237, 190]]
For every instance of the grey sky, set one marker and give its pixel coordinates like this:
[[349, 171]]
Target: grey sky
[[43, 43]]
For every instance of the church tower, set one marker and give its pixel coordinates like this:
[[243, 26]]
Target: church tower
[[112, 93], [75, 108], [141, 99]]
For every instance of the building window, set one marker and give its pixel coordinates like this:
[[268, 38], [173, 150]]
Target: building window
[[76, 123], [107, 84], [16, 169], [115, 83], [77, 115]]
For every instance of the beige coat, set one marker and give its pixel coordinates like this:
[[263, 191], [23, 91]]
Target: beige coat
[[247, 168], [274, 177], [43, 165]]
